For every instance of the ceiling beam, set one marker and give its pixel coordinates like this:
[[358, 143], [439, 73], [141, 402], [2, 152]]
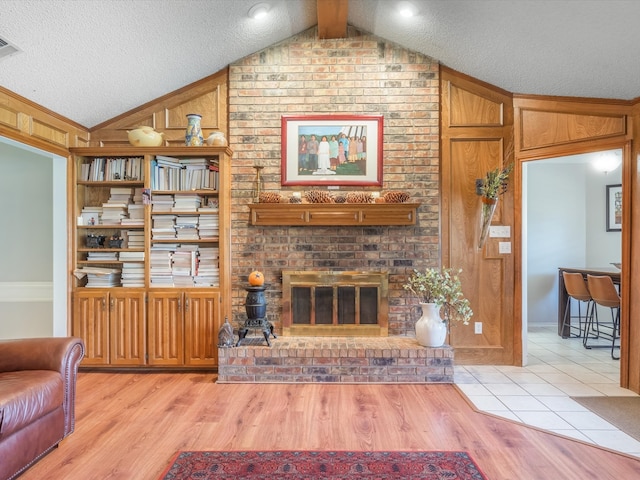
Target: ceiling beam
[[332, 18]]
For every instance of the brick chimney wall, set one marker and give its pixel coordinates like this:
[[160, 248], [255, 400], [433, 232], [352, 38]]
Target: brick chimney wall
[[361, 74]]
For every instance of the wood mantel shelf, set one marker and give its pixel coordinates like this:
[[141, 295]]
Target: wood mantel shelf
[[333, 214]]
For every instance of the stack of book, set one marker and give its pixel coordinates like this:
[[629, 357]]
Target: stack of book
[[99, 277], [195, 173], [163, 227], [132, 275], [184, 265], [132, 239], [161, 203], [115, 209], [135, 210], [134, 169], [208, 273], [91, 215], [187, 227], [132, 269], [169, 173], [160, 265], [131, 256], [187, 203], [102, 256], [165, 173], [94, 171], [209, 226]]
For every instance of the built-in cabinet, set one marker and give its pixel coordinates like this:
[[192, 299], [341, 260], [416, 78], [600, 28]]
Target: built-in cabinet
[[151, 252]]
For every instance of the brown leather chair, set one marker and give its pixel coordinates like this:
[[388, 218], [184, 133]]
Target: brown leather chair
[[576, 289], [604, 293]]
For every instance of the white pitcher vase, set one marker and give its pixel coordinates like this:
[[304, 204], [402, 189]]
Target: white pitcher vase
[[431, 331]]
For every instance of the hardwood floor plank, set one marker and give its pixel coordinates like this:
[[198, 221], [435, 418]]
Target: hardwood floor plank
[[129, 425]]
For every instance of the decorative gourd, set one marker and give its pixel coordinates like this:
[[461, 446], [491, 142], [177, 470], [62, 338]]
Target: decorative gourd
[[145, 137], [256, 279]]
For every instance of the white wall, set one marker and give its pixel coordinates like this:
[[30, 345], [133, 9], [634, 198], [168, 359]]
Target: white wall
[[33, 279], [565, 227], [602, 247]]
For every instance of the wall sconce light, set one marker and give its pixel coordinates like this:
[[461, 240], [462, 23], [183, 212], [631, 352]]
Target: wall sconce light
[[607, 161], [259, 10]]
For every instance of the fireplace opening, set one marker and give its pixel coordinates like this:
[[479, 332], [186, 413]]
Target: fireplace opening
[[330, 303]]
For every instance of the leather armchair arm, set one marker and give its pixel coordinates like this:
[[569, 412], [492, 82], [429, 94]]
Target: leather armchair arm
[[60, 354], [39, 353]]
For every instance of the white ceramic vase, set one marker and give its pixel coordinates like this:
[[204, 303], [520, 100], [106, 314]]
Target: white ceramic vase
[[431, 331]]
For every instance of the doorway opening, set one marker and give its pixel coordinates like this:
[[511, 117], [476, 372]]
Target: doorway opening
[[564, 224]]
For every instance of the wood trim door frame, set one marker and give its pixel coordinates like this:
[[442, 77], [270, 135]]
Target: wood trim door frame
[[626, 146]]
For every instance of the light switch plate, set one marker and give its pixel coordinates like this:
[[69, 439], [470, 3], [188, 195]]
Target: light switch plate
[[504, 247], [500, 231]]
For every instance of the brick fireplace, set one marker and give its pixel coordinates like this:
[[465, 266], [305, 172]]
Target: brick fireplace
[[361, 74]]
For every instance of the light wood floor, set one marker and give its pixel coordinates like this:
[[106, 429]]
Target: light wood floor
[[129, 425]]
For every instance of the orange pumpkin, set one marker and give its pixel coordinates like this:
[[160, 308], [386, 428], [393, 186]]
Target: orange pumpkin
[[256, 279]]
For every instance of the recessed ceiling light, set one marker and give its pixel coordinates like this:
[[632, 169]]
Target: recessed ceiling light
[[407, 9], [259, 10]]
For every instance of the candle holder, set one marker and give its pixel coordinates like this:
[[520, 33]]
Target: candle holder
[[257, 188]]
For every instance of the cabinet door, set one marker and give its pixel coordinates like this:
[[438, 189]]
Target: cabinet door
[[127, 322], [91, 323], [201, 318], [166, 328]]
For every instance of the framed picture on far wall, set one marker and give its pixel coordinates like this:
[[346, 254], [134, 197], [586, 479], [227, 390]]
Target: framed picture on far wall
[[614, 208], [326, 150]]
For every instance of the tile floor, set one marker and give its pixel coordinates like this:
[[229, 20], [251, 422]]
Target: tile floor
[[539, 394]]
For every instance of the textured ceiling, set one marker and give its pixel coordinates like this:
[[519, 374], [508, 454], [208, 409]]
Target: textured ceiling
[[91, 60]]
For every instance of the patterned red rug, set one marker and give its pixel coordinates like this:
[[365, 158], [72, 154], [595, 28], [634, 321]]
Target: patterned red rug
[[290, 465]]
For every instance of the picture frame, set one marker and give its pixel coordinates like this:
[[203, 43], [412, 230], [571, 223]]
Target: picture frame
[[341, 165], [614, 208]]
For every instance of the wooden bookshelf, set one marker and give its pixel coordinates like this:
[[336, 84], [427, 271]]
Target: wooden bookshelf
[[172, 324]]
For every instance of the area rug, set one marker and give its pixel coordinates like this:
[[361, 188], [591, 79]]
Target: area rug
[[623, 412], [314, 465]]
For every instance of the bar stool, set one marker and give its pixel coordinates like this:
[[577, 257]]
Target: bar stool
[[577, 289], [604, 293]]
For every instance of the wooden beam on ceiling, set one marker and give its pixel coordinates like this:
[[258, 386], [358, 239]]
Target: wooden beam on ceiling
[[332, 18]]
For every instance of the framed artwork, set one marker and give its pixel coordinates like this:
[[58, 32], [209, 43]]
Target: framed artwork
[[614, 208], [325, 150]]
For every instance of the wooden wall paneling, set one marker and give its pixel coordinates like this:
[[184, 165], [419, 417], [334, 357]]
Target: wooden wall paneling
[[547, 126], [475, 132], [9, 117], [485, 271], [542, 128], [469, 109], [29, 123], [167, 114]]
